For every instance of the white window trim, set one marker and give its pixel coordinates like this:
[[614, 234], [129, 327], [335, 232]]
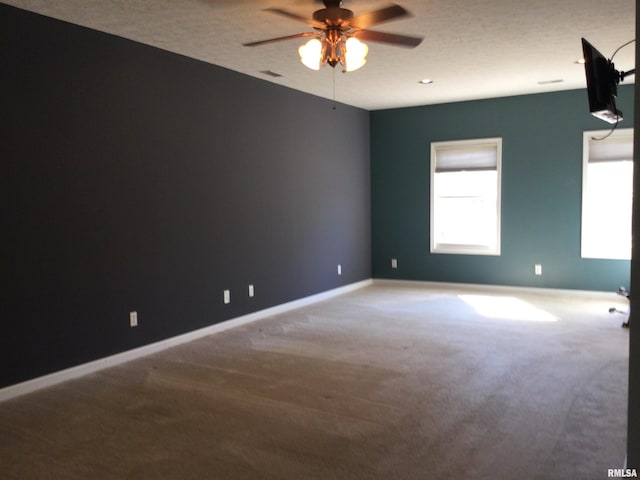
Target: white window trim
[[466, 249], [623, 132]]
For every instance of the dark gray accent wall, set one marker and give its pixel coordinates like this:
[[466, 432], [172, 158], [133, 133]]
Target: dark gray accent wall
[[137, 179], [541, 191]]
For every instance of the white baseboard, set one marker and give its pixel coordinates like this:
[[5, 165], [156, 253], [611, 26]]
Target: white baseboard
[[557, 292], [55, 378]]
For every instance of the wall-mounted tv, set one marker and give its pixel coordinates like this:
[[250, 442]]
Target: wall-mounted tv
[[602, 84]]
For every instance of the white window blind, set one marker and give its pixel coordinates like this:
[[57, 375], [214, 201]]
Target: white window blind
[[456, 159], [613, 149]]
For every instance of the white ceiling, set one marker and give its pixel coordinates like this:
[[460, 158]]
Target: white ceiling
[[472, 48]]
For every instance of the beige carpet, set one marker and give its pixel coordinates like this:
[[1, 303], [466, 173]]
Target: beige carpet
[[384, 383]]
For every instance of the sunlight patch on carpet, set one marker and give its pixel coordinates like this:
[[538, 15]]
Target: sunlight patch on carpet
[[509, 308]]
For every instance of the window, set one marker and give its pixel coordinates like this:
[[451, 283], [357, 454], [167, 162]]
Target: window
[[465, 196], [607, 189]]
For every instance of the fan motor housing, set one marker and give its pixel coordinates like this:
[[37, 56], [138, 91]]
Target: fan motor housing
[[334, 16]]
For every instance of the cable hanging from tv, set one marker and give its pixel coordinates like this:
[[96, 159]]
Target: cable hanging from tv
[[622, 75]]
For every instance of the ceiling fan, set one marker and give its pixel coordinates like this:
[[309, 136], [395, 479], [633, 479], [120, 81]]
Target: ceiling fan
[[337, 34]]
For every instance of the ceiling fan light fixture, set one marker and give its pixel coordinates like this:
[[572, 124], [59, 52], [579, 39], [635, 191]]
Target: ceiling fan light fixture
[[335, 31], [355, 54], [311, 54]]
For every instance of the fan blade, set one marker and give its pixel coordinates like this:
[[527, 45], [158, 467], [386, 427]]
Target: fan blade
[[294, 16], [378, 16], [392, 38], [279, 39]]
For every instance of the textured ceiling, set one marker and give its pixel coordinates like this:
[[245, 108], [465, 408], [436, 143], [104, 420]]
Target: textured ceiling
[[472, 48]]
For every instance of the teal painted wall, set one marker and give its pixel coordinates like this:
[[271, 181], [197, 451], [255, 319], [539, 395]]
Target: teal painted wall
[[541, 191]]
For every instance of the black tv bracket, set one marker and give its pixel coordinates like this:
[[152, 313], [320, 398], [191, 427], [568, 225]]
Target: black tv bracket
[[620, 76]]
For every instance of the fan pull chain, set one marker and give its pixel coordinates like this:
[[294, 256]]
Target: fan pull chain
[[334, 89]]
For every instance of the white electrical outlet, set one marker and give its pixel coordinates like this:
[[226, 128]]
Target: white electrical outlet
[[226, 296], [339, 269], [251, 291], [133, 319], [394, 263], [537, 269]]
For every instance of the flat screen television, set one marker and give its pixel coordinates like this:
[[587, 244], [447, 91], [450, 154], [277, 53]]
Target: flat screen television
[[602, 84]]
